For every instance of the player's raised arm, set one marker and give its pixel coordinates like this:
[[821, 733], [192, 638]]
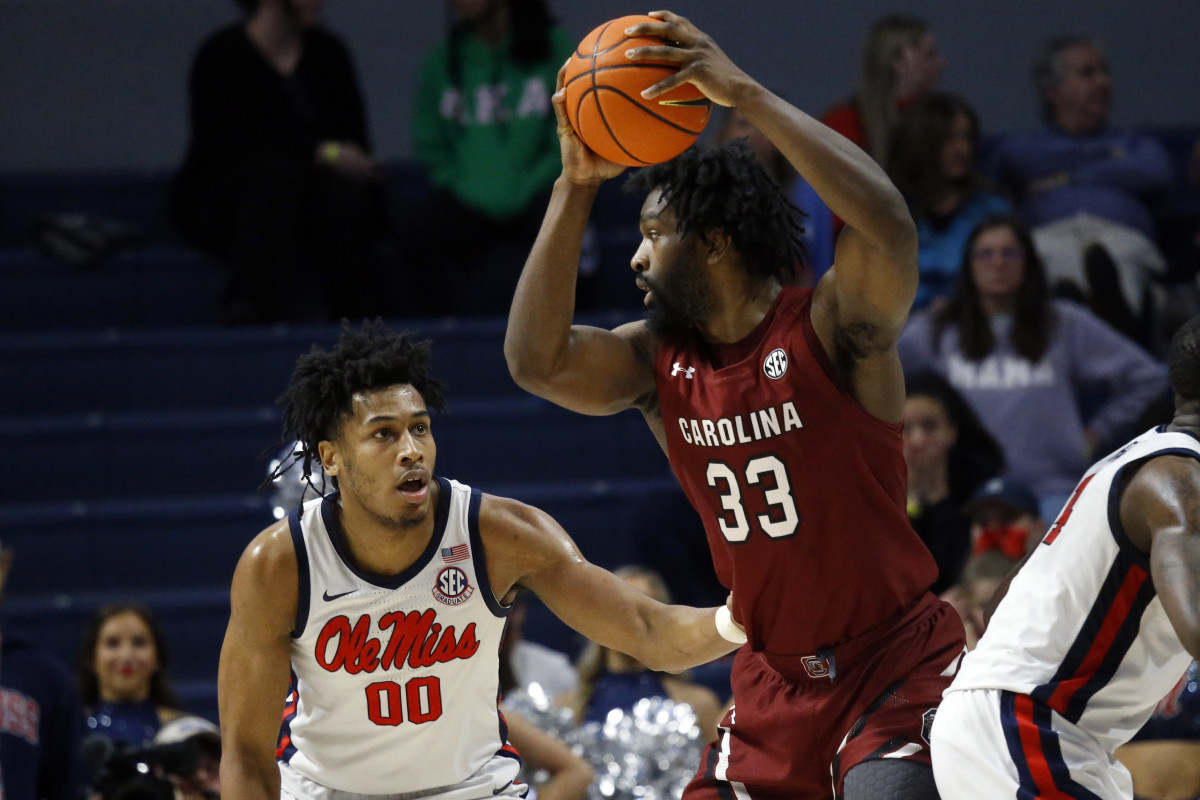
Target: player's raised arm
[[875, 266], [585, 369], [253, 675], [1161, 509], [526, 546]]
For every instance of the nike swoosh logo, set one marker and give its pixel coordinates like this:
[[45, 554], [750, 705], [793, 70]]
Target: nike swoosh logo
[[501, 789], [329, 596]]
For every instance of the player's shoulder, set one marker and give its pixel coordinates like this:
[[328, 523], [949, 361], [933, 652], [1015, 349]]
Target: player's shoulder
[[1170, 471], [270, 555], [501, 516], [1159, 487], [517, 529], [639, 335]]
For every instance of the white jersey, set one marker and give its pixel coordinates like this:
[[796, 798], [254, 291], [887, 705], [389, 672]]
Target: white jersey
[[1081, 629], [395, 681]]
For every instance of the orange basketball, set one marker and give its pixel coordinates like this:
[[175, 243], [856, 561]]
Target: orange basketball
[[605, 105]]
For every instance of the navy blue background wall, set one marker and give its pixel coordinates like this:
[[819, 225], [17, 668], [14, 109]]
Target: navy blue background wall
[[100, 83]]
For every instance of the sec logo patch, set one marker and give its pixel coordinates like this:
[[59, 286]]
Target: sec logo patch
[[927, 724], [452, 587], [775, 364]]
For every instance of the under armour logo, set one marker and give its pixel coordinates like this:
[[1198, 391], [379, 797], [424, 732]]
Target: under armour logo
[[678, 368]]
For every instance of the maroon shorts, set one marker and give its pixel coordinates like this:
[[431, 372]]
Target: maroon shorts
[[792, 735]]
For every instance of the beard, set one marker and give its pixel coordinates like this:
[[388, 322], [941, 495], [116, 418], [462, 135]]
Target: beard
[[364, 491], [682, 297]]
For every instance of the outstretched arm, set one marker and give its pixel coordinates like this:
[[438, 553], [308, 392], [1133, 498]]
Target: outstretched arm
[[252, 679], [526, 547], [1160, 511], [585, 369]]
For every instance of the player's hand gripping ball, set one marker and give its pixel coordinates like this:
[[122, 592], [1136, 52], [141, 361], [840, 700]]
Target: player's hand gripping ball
[[604, 100]]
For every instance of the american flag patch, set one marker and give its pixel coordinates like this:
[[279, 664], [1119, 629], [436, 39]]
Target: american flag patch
[[460, 552]]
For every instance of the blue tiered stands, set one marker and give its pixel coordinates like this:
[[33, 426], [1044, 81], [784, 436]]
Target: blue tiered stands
[[137, 431]]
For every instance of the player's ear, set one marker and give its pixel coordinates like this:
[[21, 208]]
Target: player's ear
[[331, 459], [717, 242]]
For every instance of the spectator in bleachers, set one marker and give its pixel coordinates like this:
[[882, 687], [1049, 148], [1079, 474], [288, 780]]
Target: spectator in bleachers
[[1005, 523], [1086, 188], [932, 161], [1006, 516], [193, 747], [568, 775], [609, 679], [546, 675], [122, 672], [949, 454], [524, 663], [278, 181], [40, 723], [982, 575], [1027, 364], [484, 132], [901, 63]]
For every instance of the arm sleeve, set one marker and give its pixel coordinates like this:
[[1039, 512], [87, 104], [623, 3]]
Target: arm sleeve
[[1104, 360]]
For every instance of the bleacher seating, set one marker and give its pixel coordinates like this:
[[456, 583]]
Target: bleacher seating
[[139, 431]]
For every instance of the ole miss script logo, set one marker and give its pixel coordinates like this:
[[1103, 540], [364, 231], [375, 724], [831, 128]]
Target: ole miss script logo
[[452, 587]]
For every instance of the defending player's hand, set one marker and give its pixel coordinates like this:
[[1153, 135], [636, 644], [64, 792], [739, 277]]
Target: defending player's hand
[[701, 62], [580, 164]]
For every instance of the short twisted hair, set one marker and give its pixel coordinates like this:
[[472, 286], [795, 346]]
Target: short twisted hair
[[1183, 360], [324, 383], [725, 188]]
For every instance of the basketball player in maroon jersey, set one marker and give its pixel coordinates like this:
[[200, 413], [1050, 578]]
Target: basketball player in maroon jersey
[[779, 409]]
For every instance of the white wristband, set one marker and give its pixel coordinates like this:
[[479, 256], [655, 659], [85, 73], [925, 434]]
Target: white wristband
[[730, 631]]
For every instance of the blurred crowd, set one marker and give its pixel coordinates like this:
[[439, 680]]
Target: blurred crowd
[[1047, 293]]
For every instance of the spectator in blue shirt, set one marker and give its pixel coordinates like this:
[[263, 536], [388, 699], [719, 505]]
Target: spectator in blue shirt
[[931, 160], [1032, 368], [1079, 183]]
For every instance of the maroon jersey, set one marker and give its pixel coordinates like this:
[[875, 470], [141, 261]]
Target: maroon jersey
[[802, 491]]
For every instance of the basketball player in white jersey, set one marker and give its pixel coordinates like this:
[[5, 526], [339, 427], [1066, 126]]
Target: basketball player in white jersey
[[377, 610], [1096, 626]]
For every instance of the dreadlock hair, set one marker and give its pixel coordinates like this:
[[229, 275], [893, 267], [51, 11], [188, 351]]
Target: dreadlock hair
[[725, 188], [323, 384], [1033, 319], [530, 22], [1183, 360]]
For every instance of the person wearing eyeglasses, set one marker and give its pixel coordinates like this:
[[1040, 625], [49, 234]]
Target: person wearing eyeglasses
[[1050, 380]]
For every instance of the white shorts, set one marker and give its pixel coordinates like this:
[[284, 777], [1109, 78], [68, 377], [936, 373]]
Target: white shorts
[[992, 744], [494, 779]]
